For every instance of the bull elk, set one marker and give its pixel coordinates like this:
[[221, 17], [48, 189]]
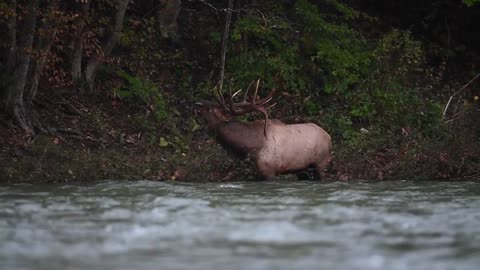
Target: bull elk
[[275, 147]]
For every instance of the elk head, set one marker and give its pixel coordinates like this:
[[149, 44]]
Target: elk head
[[227, 109]]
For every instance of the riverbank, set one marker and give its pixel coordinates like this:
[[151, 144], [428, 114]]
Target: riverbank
[[93, 137]]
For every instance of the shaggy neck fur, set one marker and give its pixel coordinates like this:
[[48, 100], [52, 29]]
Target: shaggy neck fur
[[241, 138]]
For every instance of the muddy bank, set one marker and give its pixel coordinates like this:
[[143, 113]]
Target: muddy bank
[[48, 158]]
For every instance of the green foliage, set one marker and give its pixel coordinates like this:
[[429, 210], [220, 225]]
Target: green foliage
[[313, 50], [398, 52], [142, 91], [399, 60], [470, 3], [348, 81], [338, 52], [272, 52]]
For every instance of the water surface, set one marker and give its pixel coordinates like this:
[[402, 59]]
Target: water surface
[[257, 225]]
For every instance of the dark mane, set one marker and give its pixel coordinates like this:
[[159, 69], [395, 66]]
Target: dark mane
[[239, 138], [231, 151]]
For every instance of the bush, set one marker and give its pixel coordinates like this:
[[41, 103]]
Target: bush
[[141, 91]]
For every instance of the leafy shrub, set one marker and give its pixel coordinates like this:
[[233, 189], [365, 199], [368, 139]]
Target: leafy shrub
[[347, 81], [139, 90]]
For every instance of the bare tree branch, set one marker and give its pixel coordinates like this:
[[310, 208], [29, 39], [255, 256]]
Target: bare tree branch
[[224, 43], [456, 93]]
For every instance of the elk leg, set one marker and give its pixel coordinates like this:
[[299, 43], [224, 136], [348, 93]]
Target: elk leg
[[309, 174], [268, 176], [303, 175], [317, 174], [320, 169], [266, 172]]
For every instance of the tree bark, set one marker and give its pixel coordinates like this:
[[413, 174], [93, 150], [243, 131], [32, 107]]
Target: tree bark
[[224, 42], [44, 42], [77, 43], [110, 41], [15, 99], [12, 35]]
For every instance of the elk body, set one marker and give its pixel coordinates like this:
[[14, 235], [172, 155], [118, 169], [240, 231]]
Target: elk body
[[275, 147]]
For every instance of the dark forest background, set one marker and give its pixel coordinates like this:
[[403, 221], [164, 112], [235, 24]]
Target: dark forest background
[[95, 89]]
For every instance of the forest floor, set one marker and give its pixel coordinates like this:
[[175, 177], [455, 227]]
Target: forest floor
[[92, 138]]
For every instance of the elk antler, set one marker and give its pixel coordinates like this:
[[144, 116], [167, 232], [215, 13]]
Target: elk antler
[[244, 106]]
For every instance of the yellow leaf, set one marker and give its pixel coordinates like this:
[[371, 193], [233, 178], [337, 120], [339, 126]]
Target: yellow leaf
[[475, 98], [163, 142]]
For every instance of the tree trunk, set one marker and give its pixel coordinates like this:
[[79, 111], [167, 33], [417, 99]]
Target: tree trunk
[[12, 35], [167, 18], [15, 101], [76, 68], [42, 48], [224, 42], [110, 41], [77, 52]]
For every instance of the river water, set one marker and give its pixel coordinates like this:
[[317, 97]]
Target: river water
[[240, 225]]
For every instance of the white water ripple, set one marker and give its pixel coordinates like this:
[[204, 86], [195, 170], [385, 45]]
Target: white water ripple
[[244, 225]]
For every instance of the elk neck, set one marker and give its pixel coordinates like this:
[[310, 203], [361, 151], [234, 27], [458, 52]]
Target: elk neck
[[241, 137]]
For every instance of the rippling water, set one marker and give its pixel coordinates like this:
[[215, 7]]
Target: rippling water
[[260, 225]]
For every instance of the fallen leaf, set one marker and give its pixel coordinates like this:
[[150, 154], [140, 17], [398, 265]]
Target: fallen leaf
[[163, 142]]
